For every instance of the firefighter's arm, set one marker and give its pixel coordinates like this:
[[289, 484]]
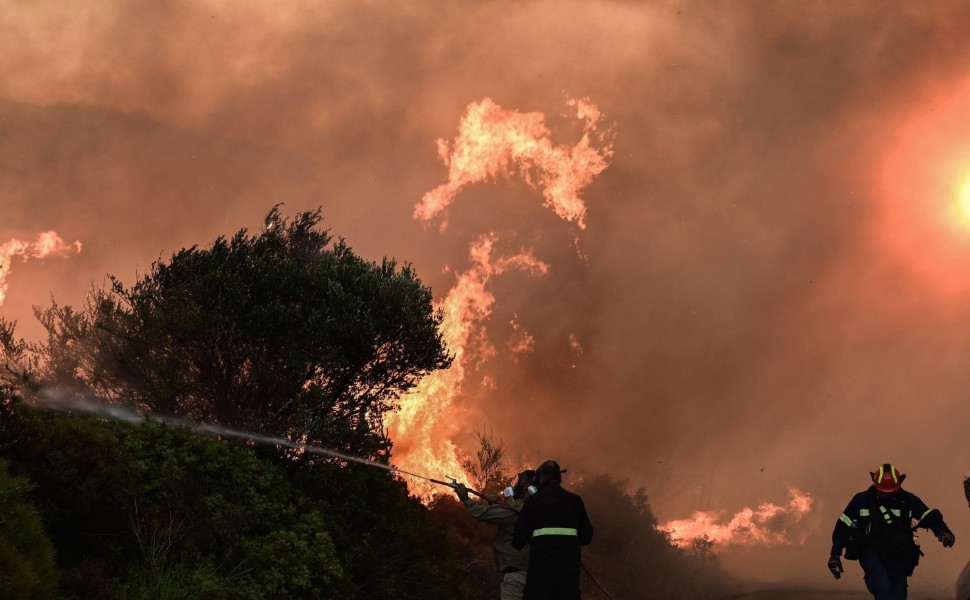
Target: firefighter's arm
[[847, 521], [932, 519], [497, 514], [585, 529], [840, 535]]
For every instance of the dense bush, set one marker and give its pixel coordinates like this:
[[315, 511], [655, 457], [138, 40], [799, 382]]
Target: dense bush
[[27, 570], [151, 511]]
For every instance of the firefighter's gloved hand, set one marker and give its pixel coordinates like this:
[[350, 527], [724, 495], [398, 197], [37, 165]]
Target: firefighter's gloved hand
[[946, 537], [461, 491], [835, 565]]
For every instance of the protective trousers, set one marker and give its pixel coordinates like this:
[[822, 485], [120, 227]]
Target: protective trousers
[[513, 585], [885, 577], [552, 584]]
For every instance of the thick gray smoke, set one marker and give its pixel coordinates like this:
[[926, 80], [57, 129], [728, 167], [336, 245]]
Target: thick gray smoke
[[738, 323]]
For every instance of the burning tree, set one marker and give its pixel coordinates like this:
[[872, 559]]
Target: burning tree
[[287, 331]]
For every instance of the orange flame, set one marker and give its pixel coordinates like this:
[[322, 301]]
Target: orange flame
[[48, 243], [767, 525], [423, 427], [492, 141]]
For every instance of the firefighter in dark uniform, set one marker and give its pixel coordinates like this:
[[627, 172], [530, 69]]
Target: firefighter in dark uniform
[[876, 529], [555, 522]]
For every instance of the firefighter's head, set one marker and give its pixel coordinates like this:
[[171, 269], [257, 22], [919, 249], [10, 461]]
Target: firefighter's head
[[887, 479], [523, 483], [549, 471]]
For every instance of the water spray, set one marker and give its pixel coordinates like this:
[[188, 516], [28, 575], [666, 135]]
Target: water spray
[[64, 401]]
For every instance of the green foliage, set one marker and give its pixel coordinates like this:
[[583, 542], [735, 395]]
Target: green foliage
[[387, 543], [27, 570], [152, 511], [17, 365], [474, 542], [284, 332]]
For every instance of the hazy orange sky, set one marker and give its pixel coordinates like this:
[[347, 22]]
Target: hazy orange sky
[[773, 285]]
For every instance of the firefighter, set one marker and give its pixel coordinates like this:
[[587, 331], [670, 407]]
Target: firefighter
[[554, 522], [509, 561], [876, 529]]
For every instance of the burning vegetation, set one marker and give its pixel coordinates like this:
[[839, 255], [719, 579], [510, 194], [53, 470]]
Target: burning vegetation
[[491, 142], [48, 243]]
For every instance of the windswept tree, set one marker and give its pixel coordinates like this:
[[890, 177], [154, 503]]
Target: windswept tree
[[286, 332]]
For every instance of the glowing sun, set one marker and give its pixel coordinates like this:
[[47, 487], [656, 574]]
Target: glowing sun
[[925, 191]]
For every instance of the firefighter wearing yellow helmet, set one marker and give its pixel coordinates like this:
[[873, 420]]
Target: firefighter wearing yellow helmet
[[876, 529]]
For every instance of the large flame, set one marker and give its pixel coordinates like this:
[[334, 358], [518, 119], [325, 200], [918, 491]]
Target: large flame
[[48, 243], [422, 429], [490, 141], [493, 141], [767, 525]]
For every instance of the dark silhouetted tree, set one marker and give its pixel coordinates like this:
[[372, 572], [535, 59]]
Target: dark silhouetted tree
[[286, 331]]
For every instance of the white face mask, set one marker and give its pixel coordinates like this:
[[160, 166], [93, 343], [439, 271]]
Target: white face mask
[[509, 492]]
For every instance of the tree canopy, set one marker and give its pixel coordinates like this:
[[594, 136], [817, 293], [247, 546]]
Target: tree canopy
[[286, 332]]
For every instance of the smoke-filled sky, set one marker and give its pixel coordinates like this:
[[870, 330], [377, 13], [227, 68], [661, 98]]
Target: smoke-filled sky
[[772, 288]]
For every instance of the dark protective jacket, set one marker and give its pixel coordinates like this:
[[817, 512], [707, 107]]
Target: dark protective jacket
[[883, 524], [507, 558], [556, 523]]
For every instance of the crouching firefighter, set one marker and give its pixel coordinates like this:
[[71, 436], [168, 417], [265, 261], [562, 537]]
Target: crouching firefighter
[[512, 563], [877, 528]]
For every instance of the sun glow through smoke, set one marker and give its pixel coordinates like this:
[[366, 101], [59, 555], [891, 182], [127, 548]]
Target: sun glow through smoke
[[924, 189]]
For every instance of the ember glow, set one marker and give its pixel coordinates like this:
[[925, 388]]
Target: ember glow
[[767, 525], [48, 243], [493, 141]]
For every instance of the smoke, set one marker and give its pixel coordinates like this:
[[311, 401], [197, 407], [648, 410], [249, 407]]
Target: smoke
[[739, 323]]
